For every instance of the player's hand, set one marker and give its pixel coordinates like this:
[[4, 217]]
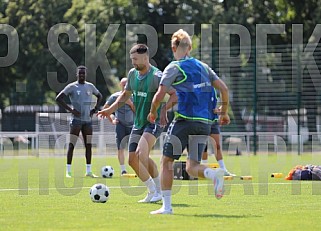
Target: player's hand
[[224, 119], [103, 113], [163, 117], [75, 113], [217, 110], [93, 111], [115, 121], [152, 117]]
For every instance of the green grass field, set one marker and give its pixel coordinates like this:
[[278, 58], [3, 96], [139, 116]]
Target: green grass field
[[34, 195]]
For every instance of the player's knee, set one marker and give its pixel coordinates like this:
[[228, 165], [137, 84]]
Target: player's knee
[[132, 160]]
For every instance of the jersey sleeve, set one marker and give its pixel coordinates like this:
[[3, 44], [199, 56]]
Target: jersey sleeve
[[130, 76], [94, 89], [111, 99], [67, 90], [212, 75], [157, 78], [170, 74]]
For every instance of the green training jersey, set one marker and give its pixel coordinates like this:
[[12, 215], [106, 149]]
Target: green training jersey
[[143, 88]]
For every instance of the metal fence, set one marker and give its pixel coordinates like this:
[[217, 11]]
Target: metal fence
[[274, 90], [275, 93]]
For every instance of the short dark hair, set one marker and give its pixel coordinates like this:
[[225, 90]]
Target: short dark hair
[[81, 68], [140, 49]]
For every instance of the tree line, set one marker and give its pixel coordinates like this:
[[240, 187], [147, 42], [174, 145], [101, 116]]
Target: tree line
[[26, 80]]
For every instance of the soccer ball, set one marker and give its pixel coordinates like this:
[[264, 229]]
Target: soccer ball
[[99, 193], [107, 171]]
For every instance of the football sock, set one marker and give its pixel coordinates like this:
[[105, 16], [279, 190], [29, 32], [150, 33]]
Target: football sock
[[68, 167], [123, 168], [88, 168], [204, 161], [209, 173], [221, 163], [157, 183], [150, 185], [167, 199]]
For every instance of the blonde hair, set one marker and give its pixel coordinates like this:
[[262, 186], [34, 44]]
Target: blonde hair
[[181, 39]]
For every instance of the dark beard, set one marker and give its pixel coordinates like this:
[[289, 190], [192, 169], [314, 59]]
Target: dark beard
[[139, 68]]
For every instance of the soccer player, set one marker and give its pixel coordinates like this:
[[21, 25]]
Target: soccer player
[[123, 119], [193, 81], [143, 82], [80, 94]]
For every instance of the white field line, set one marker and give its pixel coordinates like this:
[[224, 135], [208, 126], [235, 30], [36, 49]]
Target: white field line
[[143, 186]]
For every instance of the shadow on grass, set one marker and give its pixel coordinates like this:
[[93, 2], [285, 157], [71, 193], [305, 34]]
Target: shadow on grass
[[182, 205], [217, 216]]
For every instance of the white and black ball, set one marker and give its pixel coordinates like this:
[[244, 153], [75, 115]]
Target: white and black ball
[[99, 193], [107, 172]]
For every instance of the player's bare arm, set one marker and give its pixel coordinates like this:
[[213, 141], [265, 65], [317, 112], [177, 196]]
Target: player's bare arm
[[224, 118], [60, 100], [169, 104], [120, 101], [96, 107], [111, 117], [158, 97]]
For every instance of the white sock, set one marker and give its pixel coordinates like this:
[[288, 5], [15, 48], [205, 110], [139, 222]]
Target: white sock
[[167, 199], [209, 173], [221, 164], [150, 185], [157, 184], [204, 161], [123, 167], [88, 168], [68, 167]]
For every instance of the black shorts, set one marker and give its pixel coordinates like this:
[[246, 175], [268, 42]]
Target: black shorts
[[78, 123], [215, 128], [136, 134], [182, 133], [122, 135]]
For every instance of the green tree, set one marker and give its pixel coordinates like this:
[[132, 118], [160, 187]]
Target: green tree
[[32, 19]]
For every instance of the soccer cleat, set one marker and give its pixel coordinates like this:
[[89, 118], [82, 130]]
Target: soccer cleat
[[151, 196], [90, 174], [123, 172], [162, 211], [147, 199], [157, 197], [227, 173], [219, 183], [68, 174]]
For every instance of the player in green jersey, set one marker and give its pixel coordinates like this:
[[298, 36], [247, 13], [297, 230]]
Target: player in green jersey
[[143, 82]]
